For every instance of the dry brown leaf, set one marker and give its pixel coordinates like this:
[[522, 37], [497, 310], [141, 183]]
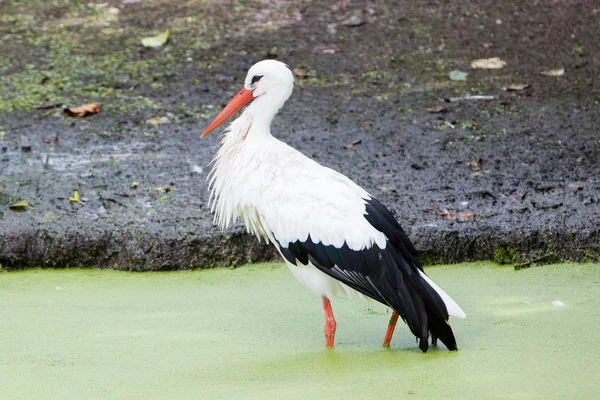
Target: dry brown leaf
[[515, 87], [54, 142], [451, 215], [300, 73], [553, 72], [488, 63], [436, 109], [82, 111], [475, 165], [465, 216]]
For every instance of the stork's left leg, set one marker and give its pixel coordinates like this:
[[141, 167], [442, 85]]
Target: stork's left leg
[[390, 329], [329, 323]]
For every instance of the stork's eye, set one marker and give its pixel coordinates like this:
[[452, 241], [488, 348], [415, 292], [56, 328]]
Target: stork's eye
[[256, 78]]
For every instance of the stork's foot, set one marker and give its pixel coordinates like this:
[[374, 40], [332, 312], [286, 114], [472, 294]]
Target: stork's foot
[[390, 329], [329, 323]]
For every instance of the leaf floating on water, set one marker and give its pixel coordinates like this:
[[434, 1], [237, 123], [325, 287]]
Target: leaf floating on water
[[515, 87], [82, 111], [436, 109], [20, 206], [488, 63], [158, 40], [458, 75], [553, 72]]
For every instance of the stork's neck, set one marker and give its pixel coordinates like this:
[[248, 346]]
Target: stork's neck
[[261, 111]]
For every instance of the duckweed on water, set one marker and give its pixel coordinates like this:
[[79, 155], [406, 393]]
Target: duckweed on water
[[253, 332]]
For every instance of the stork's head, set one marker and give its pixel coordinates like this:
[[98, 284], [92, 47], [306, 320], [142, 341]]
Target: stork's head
[[268, 82]]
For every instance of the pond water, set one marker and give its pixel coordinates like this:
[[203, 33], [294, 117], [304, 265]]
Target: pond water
[[253, 332]]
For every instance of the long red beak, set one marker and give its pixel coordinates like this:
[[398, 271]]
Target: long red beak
[[242, 98]]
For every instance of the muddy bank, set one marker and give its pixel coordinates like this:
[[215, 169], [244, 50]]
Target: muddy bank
[[511, 179]]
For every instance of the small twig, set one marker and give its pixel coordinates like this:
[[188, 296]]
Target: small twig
[[528, 264], [49, 106], [474, 98]]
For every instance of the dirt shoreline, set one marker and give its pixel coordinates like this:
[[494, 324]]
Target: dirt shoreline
[[513, 179]]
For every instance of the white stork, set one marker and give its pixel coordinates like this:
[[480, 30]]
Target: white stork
[[333, 235]]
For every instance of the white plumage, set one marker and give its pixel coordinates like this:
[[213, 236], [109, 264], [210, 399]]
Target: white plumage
[[289, 199]]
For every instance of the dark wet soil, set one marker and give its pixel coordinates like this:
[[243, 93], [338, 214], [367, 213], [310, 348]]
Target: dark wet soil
[[514, 179]]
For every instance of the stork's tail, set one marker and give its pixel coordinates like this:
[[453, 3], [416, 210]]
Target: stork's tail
[[434, 307], [453, 308]]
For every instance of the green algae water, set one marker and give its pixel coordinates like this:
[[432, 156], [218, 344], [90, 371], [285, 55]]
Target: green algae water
[[255, 333]]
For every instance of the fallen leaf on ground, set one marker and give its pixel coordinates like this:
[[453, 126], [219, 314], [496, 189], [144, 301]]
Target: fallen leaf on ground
[[75, 198], [351, 145], [20, 206], [134, 185], [355, 19], [475, 165], [451, 215], [487, 45], [300, 73], [158, 121], [158, 40], [48, 106], [488, 63], [515, 87], [465, 216], [436, 109], [54, 141], [458, 75], [82, 111], [553, 72], [165, 188], [576, 185], [473, 98]]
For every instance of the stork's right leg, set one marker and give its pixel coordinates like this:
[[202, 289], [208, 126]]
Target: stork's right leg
[[390, 330], [329, 322]]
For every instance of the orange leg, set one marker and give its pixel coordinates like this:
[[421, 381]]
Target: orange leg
[[390, 329], [329, 322]]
